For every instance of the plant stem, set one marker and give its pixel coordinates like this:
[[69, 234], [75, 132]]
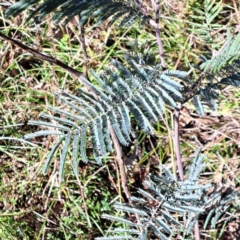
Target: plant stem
[[155, 24], [42, 56], [177, 140], [120, 161], [196, 231], [179, 158], [84, 48], [156, 5]]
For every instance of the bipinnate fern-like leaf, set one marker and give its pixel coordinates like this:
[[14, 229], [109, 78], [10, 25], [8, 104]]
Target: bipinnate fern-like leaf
[[220, 207], [222, 70], [162, 204], [204, 26], [164, 209], [82, 121], [100, 10], [226, 62], [208, 94]]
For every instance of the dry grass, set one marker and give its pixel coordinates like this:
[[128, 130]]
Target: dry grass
[[33, 206]]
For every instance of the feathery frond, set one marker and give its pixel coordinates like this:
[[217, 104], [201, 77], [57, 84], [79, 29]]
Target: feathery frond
[[100, 10], [227, 61], [163, 204], [204, 26], [166, 205], [220, 71], [219, 208], [139, 90]]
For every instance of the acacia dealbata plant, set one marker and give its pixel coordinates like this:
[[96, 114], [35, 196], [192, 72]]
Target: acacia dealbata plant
[[100, 116]]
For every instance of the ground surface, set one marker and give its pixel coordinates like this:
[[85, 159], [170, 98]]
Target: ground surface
[[33, 206]]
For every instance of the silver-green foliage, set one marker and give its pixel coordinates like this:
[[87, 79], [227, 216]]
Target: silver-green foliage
[[140, 91], [167, 207], [223, 69], [226, 60], [100, 10], [203, 21]]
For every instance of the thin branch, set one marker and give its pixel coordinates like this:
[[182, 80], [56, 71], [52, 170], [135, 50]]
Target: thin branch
[[191, 91], [42, 56], [157, 32], [119, 160], [177, 141], [84, 48], [196, 231], [155, 24]]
